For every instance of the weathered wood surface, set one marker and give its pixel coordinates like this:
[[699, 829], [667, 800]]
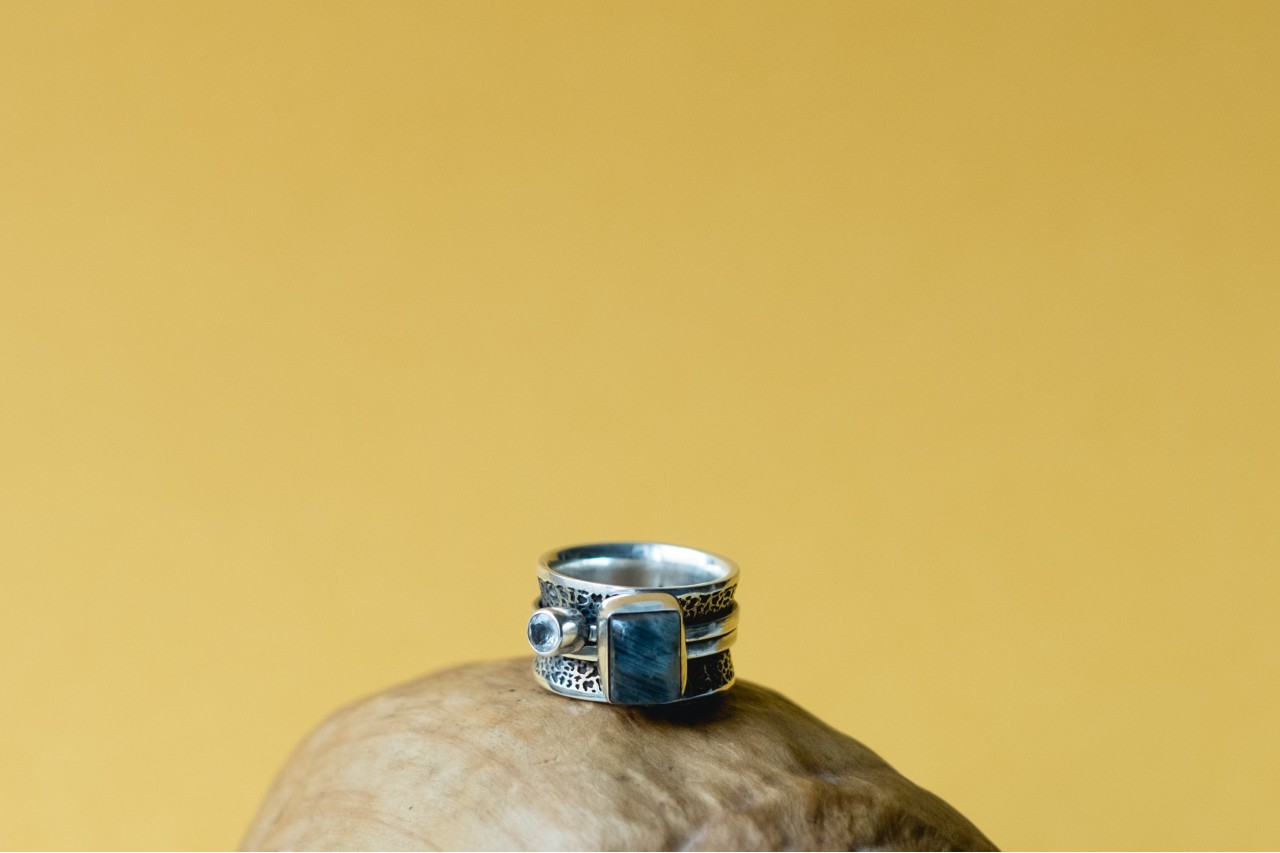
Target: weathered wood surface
[[480, 757]]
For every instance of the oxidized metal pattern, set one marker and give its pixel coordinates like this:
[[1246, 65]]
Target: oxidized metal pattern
[[694, 605], [586, 603], [706, 675], [709, 673], [706, 605], [582, 676]]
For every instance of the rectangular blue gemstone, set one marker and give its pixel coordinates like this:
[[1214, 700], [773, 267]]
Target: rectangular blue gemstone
[[644, 657]]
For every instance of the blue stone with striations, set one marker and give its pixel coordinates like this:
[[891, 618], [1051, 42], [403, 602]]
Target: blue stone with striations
[[644, 657]]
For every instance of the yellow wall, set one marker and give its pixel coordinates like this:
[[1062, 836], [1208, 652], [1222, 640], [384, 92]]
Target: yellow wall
[[957, 325]]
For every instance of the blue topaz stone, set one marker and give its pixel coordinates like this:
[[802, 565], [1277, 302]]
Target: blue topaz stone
[[556, 631]]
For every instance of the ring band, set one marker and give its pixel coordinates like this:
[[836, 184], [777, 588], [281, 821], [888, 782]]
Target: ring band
[[634, 623]]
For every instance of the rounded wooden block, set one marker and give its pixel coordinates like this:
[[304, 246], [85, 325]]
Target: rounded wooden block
[[480, 757]]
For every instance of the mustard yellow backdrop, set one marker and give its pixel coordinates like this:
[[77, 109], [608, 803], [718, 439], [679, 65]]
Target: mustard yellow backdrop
[[956, 324]]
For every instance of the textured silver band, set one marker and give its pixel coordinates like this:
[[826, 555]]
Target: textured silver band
[[640, 623]]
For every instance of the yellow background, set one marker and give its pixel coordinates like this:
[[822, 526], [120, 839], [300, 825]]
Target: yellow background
[[954, 324]]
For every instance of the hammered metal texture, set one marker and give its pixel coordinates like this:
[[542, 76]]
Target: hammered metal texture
[[695, 606]]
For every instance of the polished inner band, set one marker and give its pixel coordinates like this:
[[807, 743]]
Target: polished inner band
[[639, 565]]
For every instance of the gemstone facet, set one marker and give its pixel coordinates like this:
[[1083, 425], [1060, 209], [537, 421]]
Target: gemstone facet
[[544, 632]]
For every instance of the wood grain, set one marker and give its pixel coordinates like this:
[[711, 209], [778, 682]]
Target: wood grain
[[480, 757]]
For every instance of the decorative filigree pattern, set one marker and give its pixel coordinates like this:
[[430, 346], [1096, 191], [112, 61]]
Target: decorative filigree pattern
[[586, 603], [569, 673], [709, 673], [703, 605], [582, 676], [694, 605]]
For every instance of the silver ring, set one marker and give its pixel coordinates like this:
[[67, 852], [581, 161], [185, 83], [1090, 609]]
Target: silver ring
[[634, 623]]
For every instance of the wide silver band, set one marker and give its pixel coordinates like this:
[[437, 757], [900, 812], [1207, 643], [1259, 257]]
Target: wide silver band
[[637, 623]]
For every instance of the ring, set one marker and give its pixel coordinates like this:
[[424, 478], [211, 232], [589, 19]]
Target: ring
[[634, 623]]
